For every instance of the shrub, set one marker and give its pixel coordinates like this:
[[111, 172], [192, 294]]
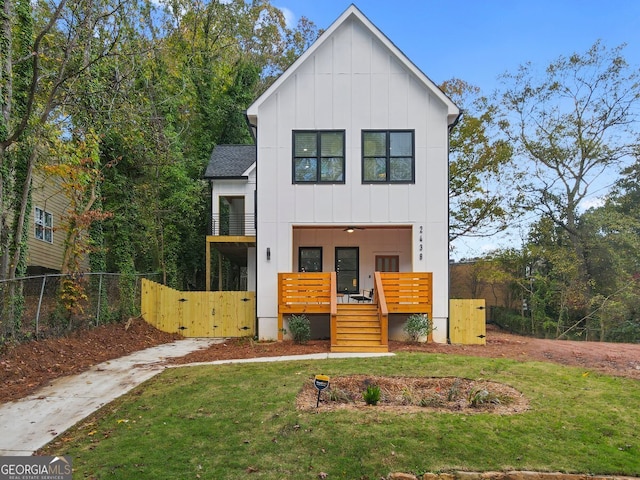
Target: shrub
[[628, 332], [480, 396], [300, 328], [371, 395], [418, 326]]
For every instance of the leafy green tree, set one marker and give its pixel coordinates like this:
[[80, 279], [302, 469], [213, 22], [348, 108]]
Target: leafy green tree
[[46, 48], [480, 190], [612, 240], [571, 126]]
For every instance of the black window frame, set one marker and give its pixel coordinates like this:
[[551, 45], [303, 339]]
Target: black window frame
[[389, 157], [318, 157], [351, 288], [309, 249]]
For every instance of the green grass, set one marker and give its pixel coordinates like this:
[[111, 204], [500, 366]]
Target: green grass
[[237, 421]]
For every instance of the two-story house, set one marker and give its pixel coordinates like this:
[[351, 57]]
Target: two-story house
[[350, 170], [46, 242]]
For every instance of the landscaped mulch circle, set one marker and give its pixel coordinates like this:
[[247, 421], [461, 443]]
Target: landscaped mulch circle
[[415, 394]]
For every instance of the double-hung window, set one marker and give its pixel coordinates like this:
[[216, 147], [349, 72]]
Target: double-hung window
[[43, 225], [318, 156], [388, 156]]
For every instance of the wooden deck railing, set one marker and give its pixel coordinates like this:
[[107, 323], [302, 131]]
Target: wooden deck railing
[[380, 298], [306, 292], [408, 292]]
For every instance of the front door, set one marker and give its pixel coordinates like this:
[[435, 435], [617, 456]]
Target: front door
[[347, 274]]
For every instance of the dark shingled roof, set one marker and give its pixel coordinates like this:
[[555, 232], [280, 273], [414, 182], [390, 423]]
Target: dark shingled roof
[[230, 161]]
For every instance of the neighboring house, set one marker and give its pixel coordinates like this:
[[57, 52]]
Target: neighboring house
[[469, 279], [350, 171], [232, 174], [46, 241]]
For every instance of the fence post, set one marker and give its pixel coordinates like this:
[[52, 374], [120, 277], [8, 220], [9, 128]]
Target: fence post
[[44, 281], [99, 299]]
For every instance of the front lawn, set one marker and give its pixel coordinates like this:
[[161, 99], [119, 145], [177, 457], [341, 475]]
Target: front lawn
[[241, 421]]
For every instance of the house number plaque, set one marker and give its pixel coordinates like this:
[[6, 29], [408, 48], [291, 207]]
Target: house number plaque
[[420, 244]]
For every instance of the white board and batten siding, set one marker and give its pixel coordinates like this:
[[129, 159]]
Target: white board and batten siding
[[352, 79]]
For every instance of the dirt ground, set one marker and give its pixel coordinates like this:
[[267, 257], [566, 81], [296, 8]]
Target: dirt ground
[[25, 368]]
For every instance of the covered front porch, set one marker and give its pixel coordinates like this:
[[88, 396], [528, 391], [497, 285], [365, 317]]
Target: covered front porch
[[354, 326]]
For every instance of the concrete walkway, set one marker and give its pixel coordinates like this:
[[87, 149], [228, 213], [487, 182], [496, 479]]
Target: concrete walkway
[[30, 423]]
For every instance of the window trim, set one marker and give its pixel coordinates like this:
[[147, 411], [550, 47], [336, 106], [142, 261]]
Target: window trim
[[301, 249], [40, 222], [389, 157], [391, 260], [352, 288], [319, 158]]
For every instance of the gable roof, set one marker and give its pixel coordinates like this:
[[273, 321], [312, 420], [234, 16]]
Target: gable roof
[[453, 112], [230, 161]]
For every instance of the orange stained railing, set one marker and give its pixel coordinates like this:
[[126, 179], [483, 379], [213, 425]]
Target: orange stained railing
[[383, 311], [315, 293], [408, 292], [306, 292]]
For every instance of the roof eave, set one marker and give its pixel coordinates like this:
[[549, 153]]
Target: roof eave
[[226, 177]]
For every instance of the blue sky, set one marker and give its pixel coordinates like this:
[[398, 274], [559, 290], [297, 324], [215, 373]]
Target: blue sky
[[478, 40]]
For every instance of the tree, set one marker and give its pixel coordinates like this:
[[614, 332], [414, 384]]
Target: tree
[[571, 127], [480, 194], [204, 64], [612, 240], [45, 49]]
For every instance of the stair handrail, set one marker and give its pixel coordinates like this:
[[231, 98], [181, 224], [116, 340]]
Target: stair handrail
[[383, 311], [333, 305], [333, 299]]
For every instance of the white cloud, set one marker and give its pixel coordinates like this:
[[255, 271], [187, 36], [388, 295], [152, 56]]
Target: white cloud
[[593, 202], [289, 16]]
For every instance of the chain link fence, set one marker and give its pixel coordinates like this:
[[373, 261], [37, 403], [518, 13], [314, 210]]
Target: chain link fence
[[31, 307]]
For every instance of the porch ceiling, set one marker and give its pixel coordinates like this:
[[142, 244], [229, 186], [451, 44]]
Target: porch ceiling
[[235, 249]]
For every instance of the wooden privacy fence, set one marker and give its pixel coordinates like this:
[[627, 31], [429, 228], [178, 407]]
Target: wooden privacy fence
[[198, 314], [467, 321]]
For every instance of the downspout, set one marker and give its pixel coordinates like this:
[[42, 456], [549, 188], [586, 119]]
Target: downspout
[[451, 127], [253, 129]]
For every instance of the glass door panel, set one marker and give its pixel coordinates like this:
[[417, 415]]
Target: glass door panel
[[347, 269]]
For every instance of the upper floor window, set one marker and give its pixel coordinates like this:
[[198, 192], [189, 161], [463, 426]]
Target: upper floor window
[[318, 156], [43, 225], [388, 156]]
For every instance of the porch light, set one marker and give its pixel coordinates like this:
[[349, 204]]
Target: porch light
[[350, 230], [268, 253]]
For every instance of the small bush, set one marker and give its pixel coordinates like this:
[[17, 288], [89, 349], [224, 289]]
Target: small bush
[[480, 396], [628, 332], [432, 401], [418, 326], [300, 328], [340, 396], [454, 391], [371, 395]]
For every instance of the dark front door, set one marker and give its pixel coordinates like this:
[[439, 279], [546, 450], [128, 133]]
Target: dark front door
[[347, 269]]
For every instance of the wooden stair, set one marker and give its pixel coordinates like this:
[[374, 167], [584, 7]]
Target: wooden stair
[[357, 329]]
